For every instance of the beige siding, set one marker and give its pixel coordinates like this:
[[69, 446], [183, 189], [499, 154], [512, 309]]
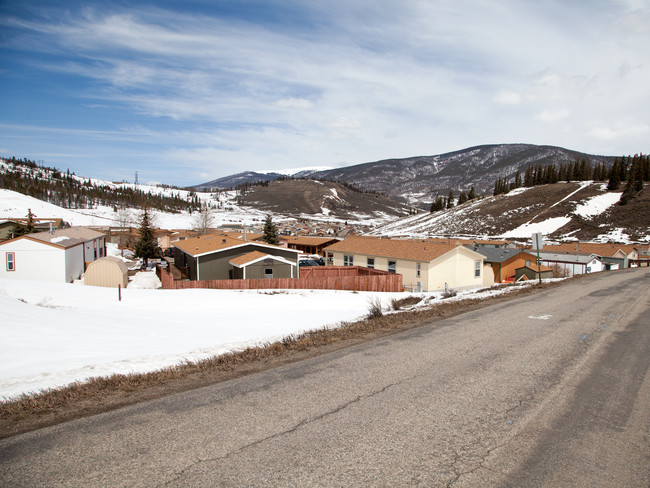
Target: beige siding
[[106, 272]]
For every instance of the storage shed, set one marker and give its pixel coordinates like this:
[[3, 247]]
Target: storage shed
[[109, 271]]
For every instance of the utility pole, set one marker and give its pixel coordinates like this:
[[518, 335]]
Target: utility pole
[[537, 244]]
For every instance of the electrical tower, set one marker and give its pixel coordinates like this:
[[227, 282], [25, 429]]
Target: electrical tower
[[136, 177]]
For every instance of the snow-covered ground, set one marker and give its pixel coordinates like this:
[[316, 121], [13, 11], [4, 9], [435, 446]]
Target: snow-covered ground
[[56, 333], [14, 204]]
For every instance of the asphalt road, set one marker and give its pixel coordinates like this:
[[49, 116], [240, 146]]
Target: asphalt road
[[548, 390]]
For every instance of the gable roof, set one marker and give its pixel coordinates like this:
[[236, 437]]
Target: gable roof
[[497, 255], [568, 257], [600, 248], [199, 246], [307, 240], [414, 250], [62, 238]]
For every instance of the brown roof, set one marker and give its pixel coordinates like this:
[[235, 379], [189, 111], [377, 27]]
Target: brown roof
[[197, 246], [533, 267], [602, 249], [307, 240], [416, 250], [244, 259]]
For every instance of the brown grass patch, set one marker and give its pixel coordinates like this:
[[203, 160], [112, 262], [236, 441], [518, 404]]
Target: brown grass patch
[[97, 395]]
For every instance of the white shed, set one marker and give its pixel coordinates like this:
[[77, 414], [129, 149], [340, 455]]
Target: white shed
[[109, 271]]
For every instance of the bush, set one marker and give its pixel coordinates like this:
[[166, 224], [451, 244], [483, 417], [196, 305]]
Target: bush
[[397, 304], [449, 292], [374, 308]]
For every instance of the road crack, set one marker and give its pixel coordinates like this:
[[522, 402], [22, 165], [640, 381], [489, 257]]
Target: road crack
[[176, 476]]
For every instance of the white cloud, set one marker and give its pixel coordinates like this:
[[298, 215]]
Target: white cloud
[[507, 97], [411, 79], [552, 115]]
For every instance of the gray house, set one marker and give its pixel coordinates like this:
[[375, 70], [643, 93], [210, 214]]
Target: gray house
[[217, 257]]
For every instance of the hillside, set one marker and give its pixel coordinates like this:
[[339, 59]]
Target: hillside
[[321, 199], [420, 179], [584, 211]]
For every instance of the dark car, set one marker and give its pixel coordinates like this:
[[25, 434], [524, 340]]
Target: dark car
[[309, 262]]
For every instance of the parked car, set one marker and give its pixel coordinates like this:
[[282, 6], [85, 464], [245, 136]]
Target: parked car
[[308, 262]]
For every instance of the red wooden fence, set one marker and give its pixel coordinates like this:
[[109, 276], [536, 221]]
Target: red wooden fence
[[353, 278]]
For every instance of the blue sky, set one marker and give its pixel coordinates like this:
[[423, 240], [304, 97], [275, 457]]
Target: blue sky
[[184, 92]]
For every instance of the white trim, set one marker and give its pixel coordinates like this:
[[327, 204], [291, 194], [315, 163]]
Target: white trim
[[267, 256], [248, 243]]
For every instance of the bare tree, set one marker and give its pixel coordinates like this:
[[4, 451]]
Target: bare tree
[[203, 220], [125, 221]]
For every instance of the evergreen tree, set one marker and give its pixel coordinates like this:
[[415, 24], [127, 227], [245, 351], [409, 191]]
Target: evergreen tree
[[462, 198], [614, 177], [270, 232], [450, 199], [438, 204], [472, 194], [146, 247]]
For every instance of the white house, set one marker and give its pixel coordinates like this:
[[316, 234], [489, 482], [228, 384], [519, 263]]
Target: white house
[[60, 255], [566, 264]]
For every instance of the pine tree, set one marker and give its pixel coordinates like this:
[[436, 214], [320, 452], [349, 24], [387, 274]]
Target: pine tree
[[462, 198], [270, 232], [450, 199], [146, 246], [472, 194], [614, 177]]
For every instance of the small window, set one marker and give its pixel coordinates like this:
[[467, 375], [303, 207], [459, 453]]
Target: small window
[[527, 262], [268, 272], [371, 263], [419, 269], [392, 266], [11, 261], [348, 260], [477, 268]]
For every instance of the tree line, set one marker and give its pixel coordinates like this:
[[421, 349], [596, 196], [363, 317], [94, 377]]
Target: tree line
[[633, 170], [69, 191]]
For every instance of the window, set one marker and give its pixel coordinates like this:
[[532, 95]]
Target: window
[[348, 260], [268, 272], [418, 268], [371, 263], [477, 268], [11, 261], [527, 262], [392, 267]]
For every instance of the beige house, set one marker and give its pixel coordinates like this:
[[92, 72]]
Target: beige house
[[109, 271], [425, 265]]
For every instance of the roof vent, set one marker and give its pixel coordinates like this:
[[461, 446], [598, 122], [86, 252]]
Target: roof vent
[[223, 241]]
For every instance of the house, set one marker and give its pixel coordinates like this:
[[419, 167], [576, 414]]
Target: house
[[504, 261], [60, 255], [569, 264], [614, 255], [7, 226], [533, 272], [425, 265], [109, 271], [216, 257], [308, 244]]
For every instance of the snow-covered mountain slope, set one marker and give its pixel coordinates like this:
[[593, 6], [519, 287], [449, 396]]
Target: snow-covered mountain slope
[[584, 211]]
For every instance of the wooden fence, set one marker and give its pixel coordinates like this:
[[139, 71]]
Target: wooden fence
[[353, 278]]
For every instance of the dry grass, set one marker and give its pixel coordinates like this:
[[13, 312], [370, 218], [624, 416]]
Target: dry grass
[[30, 412]]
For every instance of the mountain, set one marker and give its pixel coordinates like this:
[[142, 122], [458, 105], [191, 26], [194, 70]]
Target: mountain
[[321, 199], [583, 210], [419, 179]]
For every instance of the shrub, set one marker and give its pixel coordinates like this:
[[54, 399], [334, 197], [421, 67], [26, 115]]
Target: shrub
[[449, 292], [374, 308]]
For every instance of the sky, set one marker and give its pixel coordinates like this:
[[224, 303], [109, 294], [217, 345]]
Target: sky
[[186, 92]]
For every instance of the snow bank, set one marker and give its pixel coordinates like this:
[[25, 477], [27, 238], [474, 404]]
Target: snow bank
[[57, 333], [597, 205]]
